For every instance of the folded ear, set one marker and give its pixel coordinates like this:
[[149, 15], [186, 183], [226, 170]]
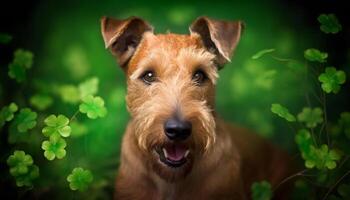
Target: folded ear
[[122, 37], [219, 37]]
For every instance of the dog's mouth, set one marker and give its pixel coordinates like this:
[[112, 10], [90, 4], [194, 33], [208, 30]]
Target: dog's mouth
[[173, 155]]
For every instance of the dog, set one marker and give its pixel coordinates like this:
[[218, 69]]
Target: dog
[[175, 146]]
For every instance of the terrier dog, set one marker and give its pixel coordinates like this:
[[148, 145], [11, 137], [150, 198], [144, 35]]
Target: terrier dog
[[175, 146]]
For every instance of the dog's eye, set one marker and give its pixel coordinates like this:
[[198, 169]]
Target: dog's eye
[[199, 77], [148, 77]]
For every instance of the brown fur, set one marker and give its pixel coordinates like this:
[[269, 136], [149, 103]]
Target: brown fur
[[224, 160]]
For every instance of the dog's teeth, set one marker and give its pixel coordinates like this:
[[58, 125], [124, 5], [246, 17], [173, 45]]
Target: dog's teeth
[[186, 153], [165, 153]]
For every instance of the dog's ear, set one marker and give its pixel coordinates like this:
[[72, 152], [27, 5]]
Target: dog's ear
[[219, 37], [122, 37]]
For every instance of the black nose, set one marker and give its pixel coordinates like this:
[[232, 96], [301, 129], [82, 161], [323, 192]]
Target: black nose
[[176, 129]]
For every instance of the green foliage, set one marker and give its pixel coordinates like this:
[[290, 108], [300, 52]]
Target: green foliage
[[69, 93], [56, 126], [41, 101], [79, 179], [5, 38], [315, 55], [331, 79], [25, 120], [54, 148], [329, 23], [93, 107], [283, 112], [261, 191], [7, 113], [22, 61], [311, 117], [22, 168], [262, 53], [321, 158], [88, 87]]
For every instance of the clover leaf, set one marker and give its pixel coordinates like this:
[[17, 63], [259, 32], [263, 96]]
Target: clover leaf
[[56, 126], [54, 148], [304, 141], [282, 112], [7, 113], [26, 179], [331, 79], [79, 179], [262, 53], [41, 101], [93, 107], [23, 60], [261, 191], [25, 120], [19, 162], [88, 87], [327, 158], [315, 55], [5, 38], [311, 117], [69, 93], [329, 23]]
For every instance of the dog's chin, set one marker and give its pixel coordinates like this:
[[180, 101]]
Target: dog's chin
[[172, 161]]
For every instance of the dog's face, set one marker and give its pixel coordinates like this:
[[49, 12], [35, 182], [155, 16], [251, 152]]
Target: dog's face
[[171, 87]]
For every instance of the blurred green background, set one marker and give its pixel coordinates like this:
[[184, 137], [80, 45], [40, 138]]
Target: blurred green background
[[68, 49]]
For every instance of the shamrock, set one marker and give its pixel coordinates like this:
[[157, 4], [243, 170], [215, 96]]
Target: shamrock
[[26, 179], [54, 148], [304, 141], [315, 55], [19, 162], [327, 158], [7, 113], [262, 53], [40, 101], [5, 38], [79, 179], [22, 60], [282, 112], [329, 23], [69, 93], [25, 120], [56, 126], [93, 107], [311, 117], [88, 87], [261, 191], [16, 71], [331, 80]]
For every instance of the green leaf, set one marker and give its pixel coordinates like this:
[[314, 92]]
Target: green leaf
[[93, 107], [261, 191], [56, 126], [315, 55], [7, 113], [25, 120], [5, 38], [69, 93], [88, 87], [26, 179], [19, 162], [23, 58], [311, 117], [282, 112], [79, 179], [304, 141], [329, 23], [41, 101], [17, 72], [262, 53], [331, 80], [54, 148]]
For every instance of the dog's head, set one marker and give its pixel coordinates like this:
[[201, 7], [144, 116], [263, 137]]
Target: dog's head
[[171, 87]]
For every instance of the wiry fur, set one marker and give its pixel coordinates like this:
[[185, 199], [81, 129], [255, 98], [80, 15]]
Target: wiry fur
[[224, 159]]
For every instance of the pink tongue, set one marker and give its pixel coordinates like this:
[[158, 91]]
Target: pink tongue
[[175, 152]]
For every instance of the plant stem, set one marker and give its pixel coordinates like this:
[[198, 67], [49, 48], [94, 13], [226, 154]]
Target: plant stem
[[336, 183], [289, 178], [74, 115], [325, 116]]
